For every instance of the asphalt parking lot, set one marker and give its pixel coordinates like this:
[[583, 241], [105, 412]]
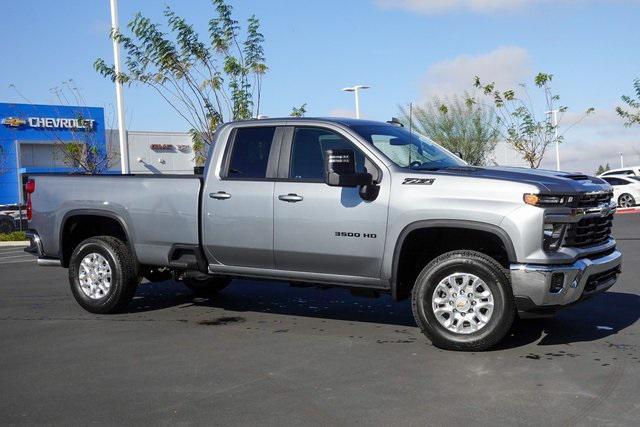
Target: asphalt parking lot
[[266, 353]]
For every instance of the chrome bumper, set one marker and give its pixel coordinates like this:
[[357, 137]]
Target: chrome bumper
[[583, 278], [35, 248]]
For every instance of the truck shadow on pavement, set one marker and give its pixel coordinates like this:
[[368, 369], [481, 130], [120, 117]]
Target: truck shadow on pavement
[[277, 298], [601, 316], [597, 318]]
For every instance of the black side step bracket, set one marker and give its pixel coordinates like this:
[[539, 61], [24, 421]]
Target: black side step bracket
[[187, 257]]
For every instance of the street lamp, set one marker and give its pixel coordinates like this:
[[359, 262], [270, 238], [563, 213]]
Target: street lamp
[[356, 91], [122, 134], [555, 126]]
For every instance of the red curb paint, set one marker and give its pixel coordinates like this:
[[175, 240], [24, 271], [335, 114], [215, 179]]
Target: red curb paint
[[628, 211]]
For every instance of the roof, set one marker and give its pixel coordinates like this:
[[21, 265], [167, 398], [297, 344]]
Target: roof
[[345, 121]]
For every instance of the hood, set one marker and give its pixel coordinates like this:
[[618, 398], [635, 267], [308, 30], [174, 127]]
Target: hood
[[547, 180]]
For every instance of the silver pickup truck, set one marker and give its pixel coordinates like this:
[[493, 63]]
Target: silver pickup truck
[[365, 205]]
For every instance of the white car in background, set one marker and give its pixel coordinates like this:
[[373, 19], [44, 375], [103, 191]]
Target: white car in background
[[626, 189], [633, 171]]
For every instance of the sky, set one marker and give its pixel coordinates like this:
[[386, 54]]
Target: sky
[[406, 50]]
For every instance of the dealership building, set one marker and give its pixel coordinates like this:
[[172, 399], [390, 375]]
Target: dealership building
[[32, 138]]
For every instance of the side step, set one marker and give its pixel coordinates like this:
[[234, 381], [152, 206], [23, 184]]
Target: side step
[[187, 257]]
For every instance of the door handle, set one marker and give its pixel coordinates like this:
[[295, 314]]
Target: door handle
[[220, 195], [291, 198]]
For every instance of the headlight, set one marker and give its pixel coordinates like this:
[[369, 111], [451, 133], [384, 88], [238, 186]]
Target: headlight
[[547, 200], [553, 235]]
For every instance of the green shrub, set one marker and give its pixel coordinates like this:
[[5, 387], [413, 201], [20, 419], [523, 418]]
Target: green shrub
[[15, 236]]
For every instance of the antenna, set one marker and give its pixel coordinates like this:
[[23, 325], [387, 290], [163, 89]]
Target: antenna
[[410, 129]]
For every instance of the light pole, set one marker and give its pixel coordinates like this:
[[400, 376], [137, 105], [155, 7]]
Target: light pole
[[554, 114], [122, 134], [356, 91], [621, 160]]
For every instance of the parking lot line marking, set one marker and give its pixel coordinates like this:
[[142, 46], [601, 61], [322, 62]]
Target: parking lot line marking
[[12, 252], [15, 262], [14, 256]]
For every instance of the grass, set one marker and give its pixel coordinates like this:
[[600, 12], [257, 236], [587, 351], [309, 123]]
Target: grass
[[15, 236]]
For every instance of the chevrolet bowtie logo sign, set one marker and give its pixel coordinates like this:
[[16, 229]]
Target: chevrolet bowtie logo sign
[[13, 122], [50, 123]]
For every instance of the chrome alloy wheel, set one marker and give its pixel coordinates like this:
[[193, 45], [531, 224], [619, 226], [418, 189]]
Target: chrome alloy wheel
[[95, 276], [462, 303], [626, 201]]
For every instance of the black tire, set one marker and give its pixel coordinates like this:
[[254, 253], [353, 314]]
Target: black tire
[[6, 226], [206, 285], [485, 268], [124, 280], [630, 198]]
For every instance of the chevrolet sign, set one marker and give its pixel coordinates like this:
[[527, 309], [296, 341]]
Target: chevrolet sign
[[50, 123]]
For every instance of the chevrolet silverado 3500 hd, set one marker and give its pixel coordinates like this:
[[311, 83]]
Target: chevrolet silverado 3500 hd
[[352, 203]]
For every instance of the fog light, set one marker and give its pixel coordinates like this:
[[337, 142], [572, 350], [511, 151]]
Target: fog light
[[553, 234], [557, 283]]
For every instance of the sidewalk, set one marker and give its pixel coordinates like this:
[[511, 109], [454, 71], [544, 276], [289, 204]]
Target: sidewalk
[[20, 243]]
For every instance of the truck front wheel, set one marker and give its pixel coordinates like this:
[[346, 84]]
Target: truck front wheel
[[463, 300], [102, 275], [206, 285]]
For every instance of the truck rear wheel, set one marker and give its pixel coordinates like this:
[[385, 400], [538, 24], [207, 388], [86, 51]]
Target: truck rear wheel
[[463, 300], [102, 275], [206, 285]]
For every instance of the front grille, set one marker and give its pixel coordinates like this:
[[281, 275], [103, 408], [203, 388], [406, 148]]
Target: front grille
[[594, 200], [589, 231]]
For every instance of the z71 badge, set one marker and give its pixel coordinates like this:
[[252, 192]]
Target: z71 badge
[[418, 181]]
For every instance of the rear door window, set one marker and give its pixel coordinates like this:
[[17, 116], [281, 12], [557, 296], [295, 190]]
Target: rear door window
[[616, 181], [250, 153]]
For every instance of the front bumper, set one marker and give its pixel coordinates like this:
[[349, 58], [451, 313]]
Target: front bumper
[[533, 287]]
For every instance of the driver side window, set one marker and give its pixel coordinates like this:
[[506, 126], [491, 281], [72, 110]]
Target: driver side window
[[307, 153]]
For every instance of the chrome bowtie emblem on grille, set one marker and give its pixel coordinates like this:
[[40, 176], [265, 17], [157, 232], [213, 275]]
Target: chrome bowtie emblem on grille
[[605, 210]]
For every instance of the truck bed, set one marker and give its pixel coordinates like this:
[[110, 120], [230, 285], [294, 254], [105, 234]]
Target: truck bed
[[157, 210]]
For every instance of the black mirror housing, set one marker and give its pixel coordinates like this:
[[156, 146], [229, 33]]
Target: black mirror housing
[[340, 170]]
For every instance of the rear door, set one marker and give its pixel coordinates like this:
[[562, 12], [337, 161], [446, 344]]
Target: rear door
[[238, 201], [323, 229]]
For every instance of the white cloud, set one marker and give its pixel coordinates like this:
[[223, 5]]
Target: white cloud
[[506, 66], [437, 6], [579, 155], [597, 140], [483, 6]]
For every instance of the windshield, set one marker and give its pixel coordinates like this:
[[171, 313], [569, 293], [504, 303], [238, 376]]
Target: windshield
[[407, 150]]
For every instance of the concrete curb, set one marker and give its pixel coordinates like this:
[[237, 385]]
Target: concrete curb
[[628, 210], [12, 244]]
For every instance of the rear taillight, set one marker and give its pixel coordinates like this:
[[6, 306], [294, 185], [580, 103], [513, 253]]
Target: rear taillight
[[29, 188]]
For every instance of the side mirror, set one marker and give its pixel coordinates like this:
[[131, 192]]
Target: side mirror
[[340, 170], [459, 154]]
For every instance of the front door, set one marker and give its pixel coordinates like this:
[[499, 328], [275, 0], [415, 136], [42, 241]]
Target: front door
[[323, 229]]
